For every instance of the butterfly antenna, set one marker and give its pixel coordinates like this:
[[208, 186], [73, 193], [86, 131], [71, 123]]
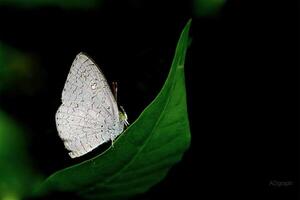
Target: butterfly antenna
[[115, 90]]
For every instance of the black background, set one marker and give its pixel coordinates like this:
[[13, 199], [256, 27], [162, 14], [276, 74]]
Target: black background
[[242, 82]]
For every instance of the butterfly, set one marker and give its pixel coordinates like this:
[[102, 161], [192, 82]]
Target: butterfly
[[89, 114]]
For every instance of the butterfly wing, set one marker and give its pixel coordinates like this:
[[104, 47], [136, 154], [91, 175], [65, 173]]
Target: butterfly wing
[[89, 114]]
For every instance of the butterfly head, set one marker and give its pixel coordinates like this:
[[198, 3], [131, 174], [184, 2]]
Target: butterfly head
[[123, 116]]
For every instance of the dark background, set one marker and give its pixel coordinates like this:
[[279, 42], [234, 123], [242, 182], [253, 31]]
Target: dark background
[[242, 82]]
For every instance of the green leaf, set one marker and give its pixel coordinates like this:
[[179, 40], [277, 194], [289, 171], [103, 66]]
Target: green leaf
[[17, 177], [207, 7], [143, 154]]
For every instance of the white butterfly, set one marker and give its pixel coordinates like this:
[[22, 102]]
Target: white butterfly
[[89, 114]]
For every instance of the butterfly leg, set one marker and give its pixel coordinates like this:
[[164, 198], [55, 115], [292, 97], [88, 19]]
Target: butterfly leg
[[112, 142]]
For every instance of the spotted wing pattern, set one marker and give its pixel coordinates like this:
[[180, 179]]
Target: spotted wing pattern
[[88, 115]]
